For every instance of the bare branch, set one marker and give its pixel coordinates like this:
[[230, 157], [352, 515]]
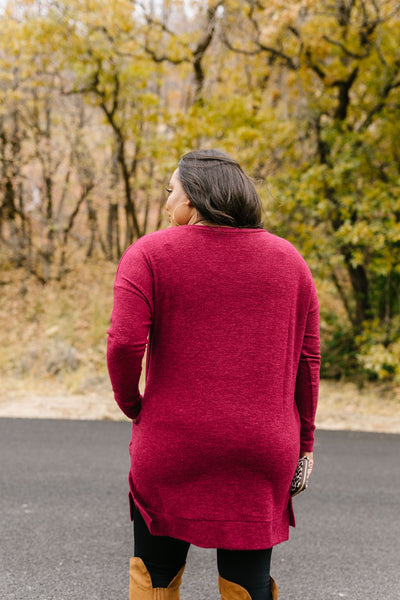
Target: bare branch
[[263, 48], [344, 10], [344, 90], [239, 50], [389, 86], [260, 47], [83, 195], [203, 45], [287, 59], [344, 49], [164, 57], [293, 30], [342, 295], [316, 68]]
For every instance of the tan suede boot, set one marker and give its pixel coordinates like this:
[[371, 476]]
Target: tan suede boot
[[141, 587], [274, 589], [233, 591]]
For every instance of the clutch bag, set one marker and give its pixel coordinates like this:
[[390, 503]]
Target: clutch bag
[[299, 481]]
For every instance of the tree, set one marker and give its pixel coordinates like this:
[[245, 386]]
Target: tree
[[339, 68], [105, 98], [164, 44], [112, 71], [38, 171]]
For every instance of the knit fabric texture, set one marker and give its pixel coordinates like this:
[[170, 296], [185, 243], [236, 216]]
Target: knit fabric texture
[[230, 320]]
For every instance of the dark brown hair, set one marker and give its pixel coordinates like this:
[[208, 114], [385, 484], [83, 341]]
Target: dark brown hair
[[218, 188]]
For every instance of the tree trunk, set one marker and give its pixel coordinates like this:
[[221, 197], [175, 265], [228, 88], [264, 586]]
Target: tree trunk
[[359, 283]]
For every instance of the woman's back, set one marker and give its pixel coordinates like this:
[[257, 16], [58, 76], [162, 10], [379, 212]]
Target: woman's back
[[232, 317]]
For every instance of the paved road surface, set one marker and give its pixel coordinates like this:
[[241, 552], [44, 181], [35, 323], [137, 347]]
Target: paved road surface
[[66, 535]]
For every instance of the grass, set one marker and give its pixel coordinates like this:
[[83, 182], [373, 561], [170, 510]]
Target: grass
[[57, 332], [345, 405]]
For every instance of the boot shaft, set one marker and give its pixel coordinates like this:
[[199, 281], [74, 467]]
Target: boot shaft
[[141, 586], [233, 591]]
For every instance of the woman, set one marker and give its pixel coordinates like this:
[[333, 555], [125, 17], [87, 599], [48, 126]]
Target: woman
[[229, 315]]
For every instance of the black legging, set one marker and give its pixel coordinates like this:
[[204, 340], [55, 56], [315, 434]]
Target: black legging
[[164, 556]]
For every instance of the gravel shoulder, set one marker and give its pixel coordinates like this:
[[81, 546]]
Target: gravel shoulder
[[342, 406]]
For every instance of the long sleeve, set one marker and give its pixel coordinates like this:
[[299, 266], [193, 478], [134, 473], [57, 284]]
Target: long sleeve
[[307, 381], [129, 330]]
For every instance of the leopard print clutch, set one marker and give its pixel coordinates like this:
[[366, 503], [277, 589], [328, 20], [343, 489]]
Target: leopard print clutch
[[299, 481]]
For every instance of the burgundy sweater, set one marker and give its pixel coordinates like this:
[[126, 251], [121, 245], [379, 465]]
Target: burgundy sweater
[[230, 320]]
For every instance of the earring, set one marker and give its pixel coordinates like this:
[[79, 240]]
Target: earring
[[173, 214]]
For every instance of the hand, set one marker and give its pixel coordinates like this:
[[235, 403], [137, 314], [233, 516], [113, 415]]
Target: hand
[[310, 456]]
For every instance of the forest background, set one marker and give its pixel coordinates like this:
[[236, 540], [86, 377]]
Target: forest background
[[98, 101]]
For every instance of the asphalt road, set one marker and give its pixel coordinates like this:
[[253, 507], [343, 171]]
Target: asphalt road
[[66, 534]]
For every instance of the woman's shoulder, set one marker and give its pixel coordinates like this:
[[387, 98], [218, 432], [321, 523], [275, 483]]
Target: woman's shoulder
[[154, 247], [151, 240], [282, 244], [283, 250]]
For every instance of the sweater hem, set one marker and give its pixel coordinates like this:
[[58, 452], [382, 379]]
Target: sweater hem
[[221, 534]]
